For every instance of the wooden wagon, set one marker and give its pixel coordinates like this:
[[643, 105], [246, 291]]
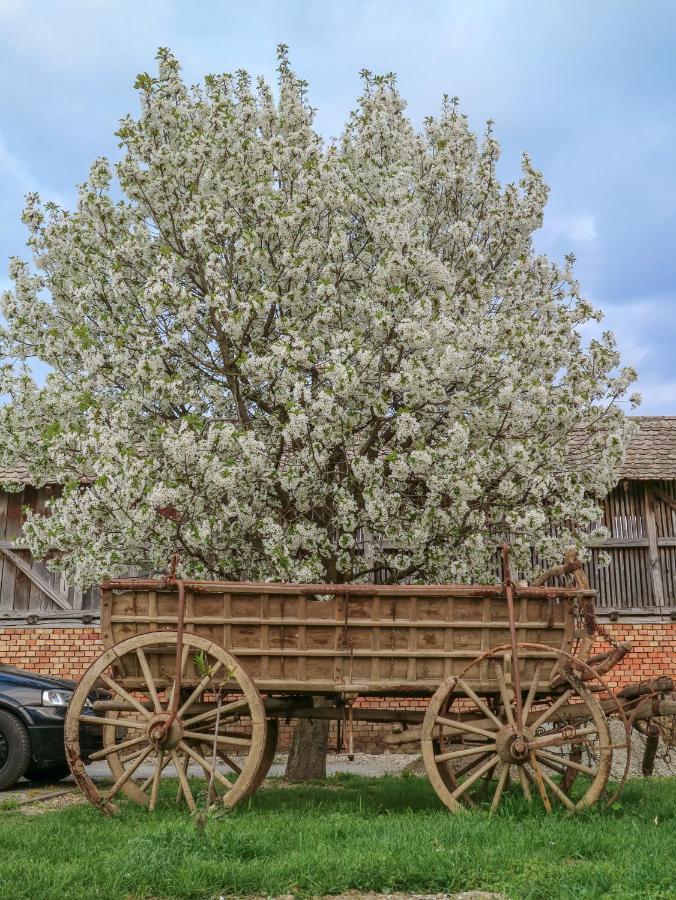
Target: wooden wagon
[[198, 674]]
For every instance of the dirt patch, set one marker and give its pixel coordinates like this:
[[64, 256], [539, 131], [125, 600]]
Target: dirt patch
[[355, 895], [32, 801]]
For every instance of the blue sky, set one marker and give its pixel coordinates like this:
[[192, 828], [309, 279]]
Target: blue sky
[[588, 88]]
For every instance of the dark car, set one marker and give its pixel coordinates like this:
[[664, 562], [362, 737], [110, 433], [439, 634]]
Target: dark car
[[32, 713]]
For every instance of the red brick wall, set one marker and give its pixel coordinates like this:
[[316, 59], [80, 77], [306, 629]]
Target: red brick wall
[[653, 652], [69, 651]]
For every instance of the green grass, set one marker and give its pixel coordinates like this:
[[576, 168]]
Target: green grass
[[381, 834]]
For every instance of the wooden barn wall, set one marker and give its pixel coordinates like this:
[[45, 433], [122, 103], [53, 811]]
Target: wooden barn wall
[[27, 588], [641, 577], [640, 580]]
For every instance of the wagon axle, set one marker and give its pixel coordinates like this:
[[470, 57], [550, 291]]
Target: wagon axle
[[511, 748], [160, 736]]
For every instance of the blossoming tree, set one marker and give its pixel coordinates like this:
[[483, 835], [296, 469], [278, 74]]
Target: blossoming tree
[[262, 347]]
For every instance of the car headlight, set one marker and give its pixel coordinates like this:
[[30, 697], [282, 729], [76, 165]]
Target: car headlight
[[56, 698]]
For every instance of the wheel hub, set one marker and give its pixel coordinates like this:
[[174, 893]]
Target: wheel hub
[[157, 735], [511, 748]]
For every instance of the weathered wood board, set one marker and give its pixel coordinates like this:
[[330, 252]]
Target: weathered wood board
[[387, 639]]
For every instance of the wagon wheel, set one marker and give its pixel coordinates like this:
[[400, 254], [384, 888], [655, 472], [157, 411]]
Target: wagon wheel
[[268, 757], [132, 736], [473, 748]]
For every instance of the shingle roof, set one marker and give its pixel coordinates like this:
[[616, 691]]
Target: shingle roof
[[651, 454], [15, 475]]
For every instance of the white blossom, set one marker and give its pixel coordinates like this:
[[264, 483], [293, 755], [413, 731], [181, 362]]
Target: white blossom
[[269, 345]]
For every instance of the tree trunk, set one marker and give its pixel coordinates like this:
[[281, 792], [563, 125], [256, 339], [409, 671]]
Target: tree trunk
[[309, 746]]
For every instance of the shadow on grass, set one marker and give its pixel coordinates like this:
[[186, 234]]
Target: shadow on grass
[[396, 794]]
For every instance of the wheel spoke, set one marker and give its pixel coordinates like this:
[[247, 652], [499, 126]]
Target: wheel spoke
[[156, 780], [534, 685], [184, 765], [457, 725], [479, 702], [183, 780], [229, 762], [212, 713], [567, 763], [233, 740], [547, 713], [525, 787], [119, 723], [150, 681], [469, 751], [115, 748], [200, 688], [120, 691], [130, 756], [487, 766], [554, 766], [504, 694], [539, 782], [146, 784], [556, 790], [126, 775], [464, 770], [184, 660], [201, 761], [502, 781]]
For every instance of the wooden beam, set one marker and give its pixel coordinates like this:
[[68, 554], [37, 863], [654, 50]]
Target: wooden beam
[[665, 498], [63, 617], [37, 580], [653, 548]]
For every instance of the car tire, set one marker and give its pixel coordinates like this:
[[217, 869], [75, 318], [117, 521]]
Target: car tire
[[15, 749], [48, 775]]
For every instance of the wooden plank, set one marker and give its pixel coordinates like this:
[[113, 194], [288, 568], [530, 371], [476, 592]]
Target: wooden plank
[[36, 579], [12, 531], [3, 525], [354, 623], [39, 615], [653, 551], [37, 598]]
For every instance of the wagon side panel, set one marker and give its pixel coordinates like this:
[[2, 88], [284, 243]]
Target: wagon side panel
[[389, 640]]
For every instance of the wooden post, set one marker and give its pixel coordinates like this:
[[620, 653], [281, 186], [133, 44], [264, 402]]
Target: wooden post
[[653, 549]]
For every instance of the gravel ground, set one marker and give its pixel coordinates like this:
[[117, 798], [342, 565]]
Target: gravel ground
[[664, 767], [368, 764], [28, 798]]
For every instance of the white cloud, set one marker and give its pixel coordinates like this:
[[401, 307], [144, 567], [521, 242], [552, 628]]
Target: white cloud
[[13, 169], [568, 229], [76, 35], [645, 330]]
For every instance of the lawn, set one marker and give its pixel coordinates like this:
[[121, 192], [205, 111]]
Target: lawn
[[380, 834]]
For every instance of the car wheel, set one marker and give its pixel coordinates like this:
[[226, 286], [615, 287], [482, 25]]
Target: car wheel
[[15, 749], [49, 774]]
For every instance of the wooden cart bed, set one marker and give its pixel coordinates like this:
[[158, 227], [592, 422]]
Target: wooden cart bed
[[368, 639]]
